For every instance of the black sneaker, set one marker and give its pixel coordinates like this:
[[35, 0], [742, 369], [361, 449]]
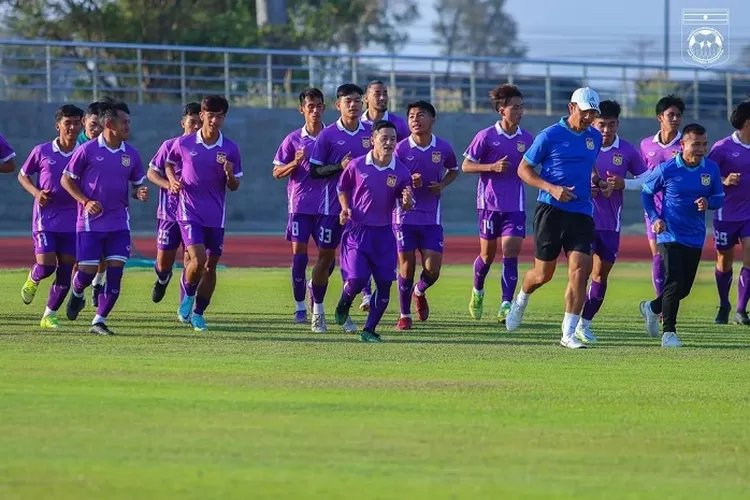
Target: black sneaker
[[741, 318], [722, 317], [100, 329], [96, 291], [158, 291], [75, 306]]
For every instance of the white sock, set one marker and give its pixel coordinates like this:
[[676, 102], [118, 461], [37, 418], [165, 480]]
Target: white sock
[[301, 306], [569, 324], [48, 312], [478, 292], [78, 295], [406, 316], [317, 308], [99, 279], [522, 298], [98, 319], [366, 297], [163, 282], [417, 292]]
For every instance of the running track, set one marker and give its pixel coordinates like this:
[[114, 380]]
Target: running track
[[273, 251]]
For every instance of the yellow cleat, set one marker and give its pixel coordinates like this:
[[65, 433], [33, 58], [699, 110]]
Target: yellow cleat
[[29, 290], [476, 305], [49, 322]]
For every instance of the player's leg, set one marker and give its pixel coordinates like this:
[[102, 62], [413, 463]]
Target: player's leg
[[383, 252], [431, 248], [657, 262], [726, 236], [89, 248], [98, 283], [354, 266], [366, 296], [214, 242], [406, 244], [168, 241], [666, 304], [743, 284], [45, 254], [606, 247], [117, 252], [513, 233], [578, 240], [298, 231], [66, 250], [328, 237], [195, 240], [490, 229]]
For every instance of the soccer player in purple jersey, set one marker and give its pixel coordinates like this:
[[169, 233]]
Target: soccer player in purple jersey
[[368, 190], [168, 237], [7, 157], [53, 226], [97, 177], [201, 167], [433, 167], [494, 154], [336, 145], [617, 158], [655, 150], [292, 162], [732, 221]]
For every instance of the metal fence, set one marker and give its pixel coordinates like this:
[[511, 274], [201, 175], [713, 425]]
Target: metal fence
[[64, 71]]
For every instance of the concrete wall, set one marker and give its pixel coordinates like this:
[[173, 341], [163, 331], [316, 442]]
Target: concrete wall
[[260, 204]]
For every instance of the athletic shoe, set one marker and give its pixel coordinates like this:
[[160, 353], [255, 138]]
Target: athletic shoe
[[584, 334], [96, 291], [159, 289], [49, 321], [722, 317], [365, 305], [75, 306], [571, 342], [100, 329], [651, 318], [366, 336], [741, 318], [29, 290], [514, 317], [403, 324], [476, 305], [422, 307], [318, 324], [300, 317], [186, 309], [503, 312], [198, 323], [669, 339], [341, 314]]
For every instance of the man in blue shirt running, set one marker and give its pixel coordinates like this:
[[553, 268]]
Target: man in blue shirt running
[[566, 153], [691, 184]]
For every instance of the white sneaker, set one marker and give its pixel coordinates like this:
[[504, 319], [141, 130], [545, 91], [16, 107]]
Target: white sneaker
[[669, 339], [571, 342], [349, 326], [584, 333], [318, 324], [365, 305], [514, 317], [652, 319]]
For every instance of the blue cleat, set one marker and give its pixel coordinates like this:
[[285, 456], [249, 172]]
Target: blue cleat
[[186, 309], [300, 317], [198, 323]]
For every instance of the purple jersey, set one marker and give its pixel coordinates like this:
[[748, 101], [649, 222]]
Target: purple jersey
[[655, 153], [619, 159], [500, 192], [402, 128], [733, 156], [430, 162], [6, 152], [333, 144], [103, 175], [374, 191], [202, 199], [48, 162], [302, 190], [167, 201]]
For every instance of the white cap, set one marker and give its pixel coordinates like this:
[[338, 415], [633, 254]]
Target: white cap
[[586, 98]]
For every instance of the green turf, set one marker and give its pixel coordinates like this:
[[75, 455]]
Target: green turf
[[260, 408]]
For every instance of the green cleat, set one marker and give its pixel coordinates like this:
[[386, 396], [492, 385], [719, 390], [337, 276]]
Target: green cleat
[[366, 336], [49, 322], [342, 312], [476, 305], [29, 290], [503, 312]]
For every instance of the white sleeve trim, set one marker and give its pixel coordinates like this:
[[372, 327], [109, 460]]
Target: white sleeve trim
[[238, 175], [279, 163], [470, 158], [155, 168], [138, 183], [12, 155], [70, 174], [315, 162]]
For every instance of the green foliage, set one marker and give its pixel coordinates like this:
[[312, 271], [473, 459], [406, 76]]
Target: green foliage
[[648, 92]]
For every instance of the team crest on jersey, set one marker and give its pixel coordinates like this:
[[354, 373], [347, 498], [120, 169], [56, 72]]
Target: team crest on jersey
[[520, 146], [436, 157], [706, 179], [366, 142], [221, 158], [590, 143], [391, 181], [617, 159], [125, 160]]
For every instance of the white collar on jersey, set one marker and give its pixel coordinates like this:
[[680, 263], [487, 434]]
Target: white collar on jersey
[[199, 140], [102, 144], [370, 161], [340, 126], [500, 131], [305, 133], [672, 143], [56, 148], [615, 145], [736, 139], [413, 144], [366, 118]]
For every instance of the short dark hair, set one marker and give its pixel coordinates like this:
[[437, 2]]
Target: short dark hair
[[215, 104], [93, 109], [693, 128], [502, 94], [109, 107], [311, 93], [68, 111], [423, 105], [609, 109], [740, 115], [191, 108], [667, 102], [348, 89], [382, 124]]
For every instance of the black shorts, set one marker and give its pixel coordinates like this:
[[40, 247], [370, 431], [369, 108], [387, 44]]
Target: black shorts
[[556, 230]]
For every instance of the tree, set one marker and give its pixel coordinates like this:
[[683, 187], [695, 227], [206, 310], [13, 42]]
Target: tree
[[476, 28]]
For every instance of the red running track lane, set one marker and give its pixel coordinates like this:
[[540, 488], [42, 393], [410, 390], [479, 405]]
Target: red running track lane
[[274, 251]]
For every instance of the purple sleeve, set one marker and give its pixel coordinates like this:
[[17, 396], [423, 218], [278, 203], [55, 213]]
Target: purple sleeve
[[346, 180], [475, 151], [717, 155], [77, 164], [31, 165], [403, 130], [285, 153], [175, 153], [450, 162], [137, 173], [237, 162], [636, 166], [319, 153], [160, 158], [6, 152]]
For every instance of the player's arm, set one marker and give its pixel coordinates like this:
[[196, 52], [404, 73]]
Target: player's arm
[[157, 178], [451, 176], [321, 171], [287, 159], [9, 165], [233, 181], [284, 171], [471, 166], [30, 167], [233, 171], [137, 180], [26, 183], [8, 160], [533, 158], [716, 198], [653, 184]]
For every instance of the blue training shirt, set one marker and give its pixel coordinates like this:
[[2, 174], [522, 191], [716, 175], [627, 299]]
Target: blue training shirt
[[682, 185], [567, 159]]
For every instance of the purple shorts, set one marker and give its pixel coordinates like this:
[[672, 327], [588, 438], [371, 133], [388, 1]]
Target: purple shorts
[[301, 227], [168, 236], [61, 243], [210, 237], [328, 232], [92, 245], [728, 234], [368, 250], [410, 237], [606, 245], [494, 224]]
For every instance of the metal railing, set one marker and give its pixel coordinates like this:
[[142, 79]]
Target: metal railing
[[54, 71]]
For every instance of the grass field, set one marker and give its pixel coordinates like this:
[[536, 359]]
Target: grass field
[[259, 408]]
